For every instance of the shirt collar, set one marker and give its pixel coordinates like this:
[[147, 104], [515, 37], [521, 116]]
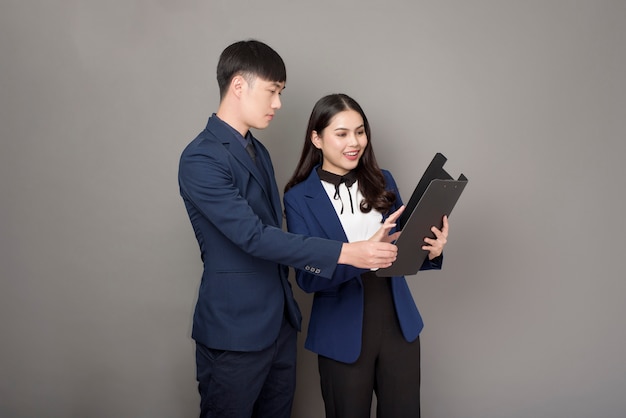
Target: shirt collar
[[241, 139]]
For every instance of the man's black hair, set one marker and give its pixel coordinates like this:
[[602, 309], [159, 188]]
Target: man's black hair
[[250, 59]]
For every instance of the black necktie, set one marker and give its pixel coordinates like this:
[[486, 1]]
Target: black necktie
[[349, 178], [251, 151]]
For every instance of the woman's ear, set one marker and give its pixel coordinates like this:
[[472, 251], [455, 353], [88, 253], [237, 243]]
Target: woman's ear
[[316, 140]]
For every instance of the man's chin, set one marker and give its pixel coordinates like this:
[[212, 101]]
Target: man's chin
[[261, 125]]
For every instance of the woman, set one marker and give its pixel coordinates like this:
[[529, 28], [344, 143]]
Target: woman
[[365, 329]]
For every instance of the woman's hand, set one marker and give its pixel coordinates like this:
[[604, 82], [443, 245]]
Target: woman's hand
[[382, 234], [435, 246]]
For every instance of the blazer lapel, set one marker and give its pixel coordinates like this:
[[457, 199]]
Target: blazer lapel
[[242, 156], [266, 170], [265, 179], [322, 208]]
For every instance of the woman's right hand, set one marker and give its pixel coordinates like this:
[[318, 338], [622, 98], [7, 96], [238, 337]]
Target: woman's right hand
[[382, 235]]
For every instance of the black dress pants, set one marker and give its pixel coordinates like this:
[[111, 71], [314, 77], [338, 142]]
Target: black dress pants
[[388, 365]]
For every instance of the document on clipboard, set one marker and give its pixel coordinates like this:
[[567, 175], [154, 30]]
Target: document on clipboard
[[435, 195]]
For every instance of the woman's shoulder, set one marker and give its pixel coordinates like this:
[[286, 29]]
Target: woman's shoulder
[[295, 189], [303, 185], [387, 175], [301, 188]]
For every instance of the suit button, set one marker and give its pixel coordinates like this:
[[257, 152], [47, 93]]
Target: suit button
[[318, 271]]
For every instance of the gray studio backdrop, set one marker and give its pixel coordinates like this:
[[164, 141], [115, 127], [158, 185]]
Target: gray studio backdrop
[[99, 267]]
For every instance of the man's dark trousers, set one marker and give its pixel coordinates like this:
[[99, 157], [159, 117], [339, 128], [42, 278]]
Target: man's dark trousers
[[257, 384]]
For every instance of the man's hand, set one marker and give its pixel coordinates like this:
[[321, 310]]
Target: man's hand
[[368, 254], [377, 252]]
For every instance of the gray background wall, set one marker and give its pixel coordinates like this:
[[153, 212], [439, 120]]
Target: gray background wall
[[99, 267]]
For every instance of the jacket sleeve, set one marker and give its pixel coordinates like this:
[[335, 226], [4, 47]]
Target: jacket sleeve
[[208, 183], [299, 223]]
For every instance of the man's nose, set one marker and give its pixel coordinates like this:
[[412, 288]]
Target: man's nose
[[276, 103]]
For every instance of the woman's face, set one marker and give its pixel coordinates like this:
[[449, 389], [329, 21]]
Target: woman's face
[[342, 142]]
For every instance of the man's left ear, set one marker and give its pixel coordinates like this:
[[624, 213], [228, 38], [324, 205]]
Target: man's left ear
[[237, 84]]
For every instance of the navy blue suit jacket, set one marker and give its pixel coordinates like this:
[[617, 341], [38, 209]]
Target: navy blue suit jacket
[[234, 208], [336, 319]]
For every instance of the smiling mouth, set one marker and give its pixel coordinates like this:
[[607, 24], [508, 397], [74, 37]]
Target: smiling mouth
[[351, 153]]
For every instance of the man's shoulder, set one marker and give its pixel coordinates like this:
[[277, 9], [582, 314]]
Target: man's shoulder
[[206, 141]]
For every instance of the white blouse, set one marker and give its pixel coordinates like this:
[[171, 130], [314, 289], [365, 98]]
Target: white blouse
[[358, 226]]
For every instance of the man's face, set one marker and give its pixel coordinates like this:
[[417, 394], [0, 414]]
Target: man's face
[[260, 100]]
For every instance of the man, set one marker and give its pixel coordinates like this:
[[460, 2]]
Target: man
[[246, 317]]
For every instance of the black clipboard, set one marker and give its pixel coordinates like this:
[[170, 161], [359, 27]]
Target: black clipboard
[[434, 196]]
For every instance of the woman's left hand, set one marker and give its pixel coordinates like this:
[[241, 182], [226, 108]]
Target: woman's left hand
[[435, 246]]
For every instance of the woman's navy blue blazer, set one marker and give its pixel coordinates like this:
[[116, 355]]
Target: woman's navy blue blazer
[[336, 319]]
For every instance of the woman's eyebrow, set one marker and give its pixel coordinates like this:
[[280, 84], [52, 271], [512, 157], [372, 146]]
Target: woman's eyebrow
[[341, 128]]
